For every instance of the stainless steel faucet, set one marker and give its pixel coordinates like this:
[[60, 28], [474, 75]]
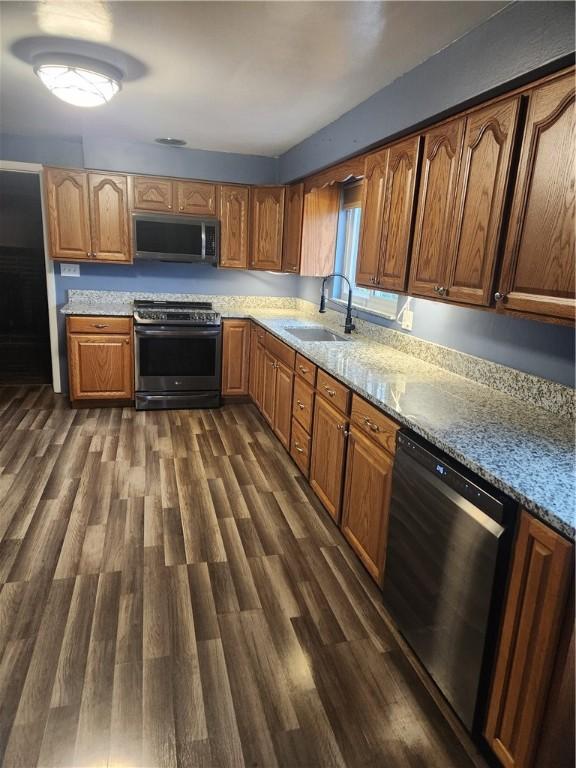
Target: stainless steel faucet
[[348, 325]]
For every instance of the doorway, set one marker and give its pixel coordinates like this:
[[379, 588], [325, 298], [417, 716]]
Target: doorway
[[25, 356]]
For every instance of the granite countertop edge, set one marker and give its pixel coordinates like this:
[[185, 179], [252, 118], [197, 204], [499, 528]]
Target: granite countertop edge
[[563, 523]]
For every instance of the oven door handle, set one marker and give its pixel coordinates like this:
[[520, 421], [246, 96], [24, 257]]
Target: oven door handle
[[179, 333]]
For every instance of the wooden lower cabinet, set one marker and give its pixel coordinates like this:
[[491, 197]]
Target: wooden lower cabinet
[[367, 501], [235, 357], [283, 403], [328, 455], [534, 613], [100, 365], [268, 387], [300, 447]]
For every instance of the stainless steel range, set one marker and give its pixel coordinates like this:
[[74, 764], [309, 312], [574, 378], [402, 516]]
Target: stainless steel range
[[177, 354]]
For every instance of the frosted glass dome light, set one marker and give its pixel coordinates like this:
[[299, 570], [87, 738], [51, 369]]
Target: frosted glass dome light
[[78, 81]]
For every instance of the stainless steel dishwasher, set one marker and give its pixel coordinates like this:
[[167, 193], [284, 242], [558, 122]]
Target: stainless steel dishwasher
[[446, 564]]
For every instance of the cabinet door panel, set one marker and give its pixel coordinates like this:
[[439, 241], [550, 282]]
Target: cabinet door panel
[[366, 501], [196, 198], [153, 193], [109, 217], [373, 202], [234, 226], [538, 267], [398, 214], [482, 182], [319, 230], [293, 228], [235, 356], [268, 387], [283, 403], [100, 367], [267, 219], [535, 606], [328, 456], [68, 214], [253, 382], [430, 256]]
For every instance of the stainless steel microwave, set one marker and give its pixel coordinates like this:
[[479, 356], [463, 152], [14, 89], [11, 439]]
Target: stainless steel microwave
[[158, 237]]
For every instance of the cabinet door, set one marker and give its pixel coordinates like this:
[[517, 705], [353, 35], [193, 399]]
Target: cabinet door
[[538, 267], [253, 383], [372, 212], [398, 214], [268, 387], [196, 198], [367, 501], [293, 210], [328, 455], [235, 356], [109, 217], [68, 214], [319, 230], [233, 226], [100, 367], [260, 362], [153, 193], [429, 272], [267, 204], [283, 403], [535, 606], [482, 184]]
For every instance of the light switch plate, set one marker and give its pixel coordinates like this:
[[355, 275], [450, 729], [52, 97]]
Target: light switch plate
[[407, 317], [70, 270]]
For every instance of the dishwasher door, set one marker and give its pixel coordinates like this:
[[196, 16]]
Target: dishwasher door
[[444, 556]]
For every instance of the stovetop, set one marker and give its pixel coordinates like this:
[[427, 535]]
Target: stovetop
[[175, 313]]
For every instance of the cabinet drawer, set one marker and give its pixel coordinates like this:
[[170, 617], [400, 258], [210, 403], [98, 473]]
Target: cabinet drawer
[[374, 424], [306, 369], [281, 351], [303, 403], [333, 391], [89, 324], [300, 447]]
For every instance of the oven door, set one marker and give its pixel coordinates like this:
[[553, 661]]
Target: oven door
[[177, 358]]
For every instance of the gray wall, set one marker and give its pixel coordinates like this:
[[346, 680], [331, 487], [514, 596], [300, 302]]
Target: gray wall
[[520, 40]]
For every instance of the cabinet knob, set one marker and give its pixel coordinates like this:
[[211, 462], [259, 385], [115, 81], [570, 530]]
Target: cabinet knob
[[170, 207], [181, 208], [499, 296], [440, 290]]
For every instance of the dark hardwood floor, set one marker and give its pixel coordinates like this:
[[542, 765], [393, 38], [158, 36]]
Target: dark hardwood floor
[[173, 595]]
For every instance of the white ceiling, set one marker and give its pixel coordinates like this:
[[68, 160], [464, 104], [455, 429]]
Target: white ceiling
[[250, 77]]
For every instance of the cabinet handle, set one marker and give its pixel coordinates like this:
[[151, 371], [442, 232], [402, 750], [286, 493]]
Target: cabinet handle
[[499, 296], [300, 450], [126, 341], [170, 207], [303, 369], [330, 392], [100, 325], [374, 427], [300, 404], [440, 290], [181, 208]]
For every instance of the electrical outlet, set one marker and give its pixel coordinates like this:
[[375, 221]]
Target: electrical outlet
[[70, 270], [407, 317]]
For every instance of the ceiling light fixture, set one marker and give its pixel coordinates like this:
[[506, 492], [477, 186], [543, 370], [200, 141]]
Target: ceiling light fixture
[[78, 80], [170, 142]]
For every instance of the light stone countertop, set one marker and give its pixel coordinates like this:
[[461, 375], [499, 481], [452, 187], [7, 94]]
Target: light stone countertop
[[522, 449]]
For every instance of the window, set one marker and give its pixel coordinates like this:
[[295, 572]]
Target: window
[[366, 299]]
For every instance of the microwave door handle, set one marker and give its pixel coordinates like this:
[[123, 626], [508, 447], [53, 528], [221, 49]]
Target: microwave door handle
[[203, 241]]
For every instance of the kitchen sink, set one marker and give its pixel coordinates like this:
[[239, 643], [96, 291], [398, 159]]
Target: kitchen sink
[[314, 334]]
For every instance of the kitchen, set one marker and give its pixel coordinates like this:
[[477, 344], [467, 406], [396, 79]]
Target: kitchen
[[300, 490]]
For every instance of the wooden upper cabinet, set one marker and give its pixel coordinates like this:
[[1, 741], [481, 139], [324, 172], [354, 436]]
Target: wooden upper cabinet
[[429, 272], [533, 615], [68, 214], [373, 200], [197, 198], [478, 217], [267, 217], [234, 224], [153, 193], [293, 210], [235, 357], [367, 501], [538, 266], [328, 455], [109, 217], [319, 230]]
